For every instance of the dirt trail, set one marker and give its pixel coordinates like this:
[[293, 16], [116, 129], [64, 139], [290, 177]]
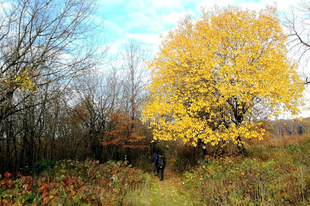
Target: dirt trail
[[167, 192]]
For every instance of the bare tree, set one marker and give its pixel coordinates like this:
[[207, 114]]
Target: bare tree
[[42, 41], [136, 76], [297, 27]]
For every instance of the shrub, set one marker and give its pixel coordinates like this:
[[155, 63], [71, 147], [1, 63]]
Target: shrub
[[73, 183], [249, 181], [186, 159]]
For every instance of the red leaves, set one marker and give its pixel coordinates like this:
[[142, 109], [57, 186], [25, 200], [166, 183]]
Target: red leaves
[[44, 188], [3, 184], [27, 183], [88, 182], [7, 183], [123, 132], [8, 175]]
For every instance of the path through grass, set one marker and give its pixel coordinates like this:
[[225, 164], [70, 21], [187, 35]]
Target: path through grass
[[166, 192]]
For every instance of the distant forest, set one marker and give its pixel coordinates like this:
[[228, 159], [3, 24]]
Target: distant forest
[[282, 127]]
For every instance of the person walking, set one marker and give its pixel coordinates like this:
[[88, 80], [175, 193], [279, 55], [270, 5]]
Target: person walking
[[161, 166], [155, 163]]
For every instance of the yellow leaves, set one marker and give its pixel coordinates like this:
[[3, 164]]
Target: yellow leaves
[[213, 71], [21, 81]]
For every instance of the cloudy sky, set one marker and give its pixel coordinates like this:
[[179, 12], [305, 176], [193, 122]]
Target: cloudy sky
[[145, 20]]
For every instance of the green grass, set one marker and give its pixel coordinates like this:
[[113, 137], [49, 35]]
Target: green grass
[[155, 192], [269, 175]]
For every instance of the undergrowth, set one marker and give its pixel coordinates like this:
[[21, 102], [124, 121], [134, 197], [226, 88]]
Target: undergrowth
[[73, 183], [271, 174]]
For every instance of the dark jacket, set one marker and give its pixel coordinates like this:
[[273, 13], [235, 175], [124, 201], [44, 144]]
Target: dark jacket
[[163, 160], [155, 159]]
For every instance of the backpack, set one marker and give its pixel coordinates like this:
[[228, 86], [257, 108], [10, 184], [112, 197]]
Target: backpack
[[161, 161], [156, 160]]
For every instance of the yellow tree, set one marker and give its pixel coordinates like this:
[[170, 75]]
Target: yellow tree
[[216, 77]]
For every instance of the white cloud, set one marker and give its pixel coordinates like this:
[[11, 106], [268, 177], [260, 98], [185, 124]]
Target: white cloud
[[256, 5], [252, 6], [151, 40], [174, 17], [5, 6], [211, 3], [166, 4], [113, 27], [147, 38]]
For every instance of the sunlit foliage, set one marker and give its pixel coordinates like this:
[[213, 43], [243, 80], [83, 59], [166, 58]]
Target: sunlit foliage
[[217, 77]]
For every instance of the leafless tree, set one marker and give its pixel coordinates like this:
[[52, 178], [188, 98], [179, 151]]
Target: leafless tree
[[135, 76], [297, 26], [45, 41]]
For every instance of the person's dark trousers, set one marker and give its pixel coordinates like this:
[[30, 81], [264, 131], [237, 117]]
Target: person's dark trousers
[[161, 173], [155, 169]]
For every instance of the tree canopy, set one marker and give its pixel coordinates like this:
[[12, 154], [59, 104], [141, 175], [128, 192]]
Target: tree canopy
[[217, 77]]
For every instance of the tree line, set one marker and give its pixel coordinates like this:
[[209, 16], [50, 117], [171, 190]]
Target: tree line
[[58, 100]]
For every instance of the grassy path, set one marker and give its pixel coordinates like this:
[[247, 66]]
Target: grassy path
[[166, 192]]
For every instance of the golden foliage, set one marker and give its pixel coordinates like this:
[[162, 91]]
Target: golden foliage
[[21, 80], [215, 77]]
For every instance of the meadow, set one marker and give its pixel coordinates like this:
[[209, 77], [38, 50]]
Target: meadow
[[272, 173]]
